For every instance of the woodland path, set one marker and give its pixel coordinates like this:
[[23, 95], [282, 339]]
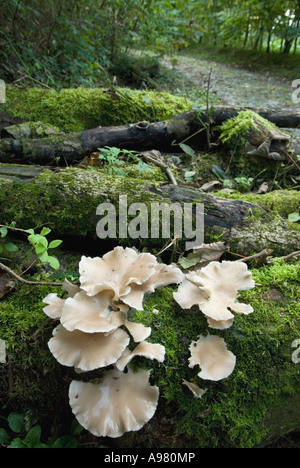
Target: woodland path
[[233, 85]]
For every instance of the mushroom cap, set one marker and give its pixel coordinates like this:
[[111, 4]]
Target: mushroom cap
[[117, 270], [54, 307], [211, 354], [71, 288], [138, 331], [145, 349], [87, 351], [214, 289], [162, 276], [91, 314], [190, 294], [122, 402]]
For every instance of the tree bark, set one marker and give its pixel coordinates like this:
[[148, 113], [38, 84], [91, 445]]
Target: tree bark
[[140, 136]]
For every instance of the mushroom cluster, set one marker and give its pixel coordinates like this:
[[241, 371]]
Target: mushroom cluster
[[214, 289], [94, 332]]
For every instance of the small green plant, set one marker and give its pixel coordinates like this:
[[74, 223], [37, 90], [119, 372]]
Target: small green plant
[[41, 246], [111, 156], [5, 244], [29, 437]]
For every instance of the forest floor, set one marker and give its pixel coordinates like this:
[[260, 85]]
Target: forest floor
[[229, 84]]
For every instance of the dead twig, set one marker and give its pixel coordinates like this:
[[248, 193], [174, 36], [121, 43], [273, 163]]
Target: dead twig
[[291, 255], [260, 257], [24, 281], [155, 157]]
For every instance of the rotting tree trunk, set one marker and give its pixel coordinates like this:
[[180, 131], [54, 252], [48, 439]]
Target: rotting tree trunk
[[140, 136], [66, 200]]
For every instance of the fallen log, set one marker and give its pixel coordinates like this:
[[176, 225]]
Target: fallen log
[[67, 200], [140, 136]]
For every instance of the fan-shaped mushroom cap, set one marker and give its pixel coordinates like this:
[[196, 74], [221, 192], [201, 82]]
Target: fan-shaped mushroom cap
[[91, 314], [87, 351], [162, 276], [223, 280], [214, 289], [189, 294], [71, 288], [211, 354], [54, 307], [121, 403], [145, 349], [138, 331], [116, 271]]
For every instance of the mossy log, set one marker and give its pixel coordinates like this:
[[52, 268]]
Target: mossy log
[[257, 404], [139, 136], [67, 200]]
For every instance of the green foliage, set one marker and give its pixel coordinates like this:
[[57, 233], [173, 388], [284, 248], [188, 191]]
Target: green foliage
[[29, 437], [5, 243], [41, 247], [111, 156]]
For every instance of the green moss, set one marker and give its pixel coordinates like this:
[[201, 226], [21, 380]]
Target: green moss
[[236, 129], [280, 202], [75, 110], [68, 201], [232, 413]]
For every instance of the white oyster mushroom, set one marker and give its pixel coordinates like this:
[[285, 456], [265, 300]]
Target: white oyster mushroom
[[91, 314], [117, 270], [214, 289], [145, 349], [211, 355], [122, 402], [87, 351], [54, 307]]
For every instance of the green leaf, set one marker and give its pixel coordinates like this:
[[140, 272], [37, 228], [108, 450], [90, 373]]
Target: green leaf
[[65, 442], [33, 437], [189, 261], [3, 232], [11, 247], [54, 244], [17, 443], [41, 247], [30, 231], [294, 217], [44, 257], [45, 231], [54, 263], [3, 436], [187, 149], [16, 422], [33, 238]]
